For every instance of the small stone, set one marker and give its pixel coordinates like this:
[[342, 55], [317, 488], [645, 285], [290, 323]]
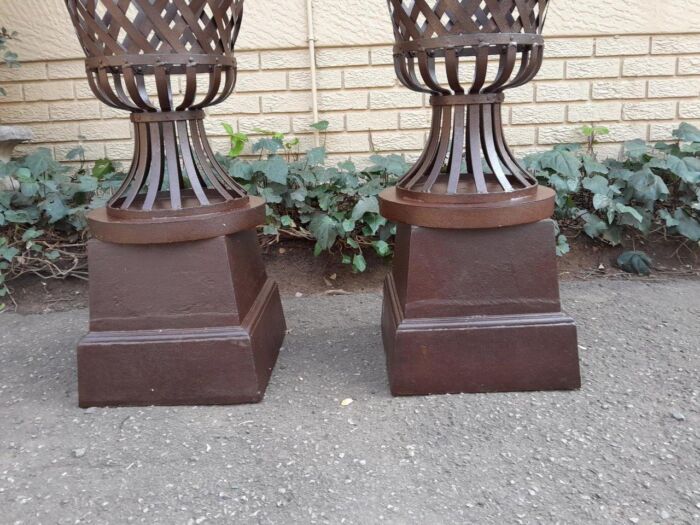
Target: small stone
[[79, 452], [678, 416], [298, 294], [634, 520], [665, 515], [346, 402]]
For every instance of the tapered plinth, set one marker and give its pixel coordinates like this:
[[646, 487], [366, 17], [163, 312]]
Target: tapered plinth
[[477, 310], [196, 322]]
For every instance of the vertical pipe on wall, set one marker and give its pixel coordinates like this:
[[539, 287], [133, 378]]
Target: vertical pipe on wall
[[312, 59]]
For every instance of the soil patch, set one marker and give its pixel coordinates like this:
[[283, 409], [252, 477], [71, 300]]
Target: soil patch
[[299, 273]]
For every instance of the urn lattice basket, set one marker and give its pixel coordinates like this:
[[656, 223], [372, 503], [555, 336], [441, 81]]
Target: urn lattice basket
[[164, 61], [466, 54]]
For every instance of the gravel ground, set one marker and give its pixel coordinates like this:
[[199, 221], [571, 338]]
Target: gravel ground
[[625, 449]]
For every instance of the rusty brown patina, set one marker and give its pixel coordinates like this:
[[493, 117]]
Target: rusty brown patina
[[182, 311], [465, 55], [138, 54], [472, 303]]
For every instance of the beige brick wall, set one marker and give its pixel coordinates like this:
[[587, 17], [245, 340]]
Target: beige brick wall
[[640, 84]]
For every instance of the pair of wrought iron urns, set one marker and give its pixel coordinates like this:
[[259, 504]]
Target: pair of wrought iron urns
[[182, 310]]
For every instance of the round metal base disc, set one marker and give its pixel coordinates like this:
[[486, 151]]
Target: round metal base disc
[[166, 230], [525, 210]]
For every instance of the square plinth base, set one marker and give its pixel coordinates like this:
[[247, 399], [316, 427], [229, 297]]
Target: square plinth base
[[476, 311], [195, 323]]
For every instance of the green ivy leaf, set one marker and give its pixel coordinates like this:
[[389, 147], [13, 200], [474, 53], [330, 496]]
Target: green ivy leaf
[[365, 205], [392, 164], [382, 248], [276, 170], [270, 195], [687, 133], [18, 217], [299, 194], [594, 226], [359, 263], [348, 166], [29, 189], [563, 162], [601, 202], [271, 145], [623, 208], [563, 246], [55, 208], [88, 184], [374, 222], [101, 169], [635, 149], [591, 166], [241, 170], [596, 184], [325, 229], [8, 253], [32, 234], [687, 225], [316, 156], [687, 169], [24, 175], [348, 225], [321, 125], [39, 161], [270, 229], [648, 186], [635, 262], [669, 219]]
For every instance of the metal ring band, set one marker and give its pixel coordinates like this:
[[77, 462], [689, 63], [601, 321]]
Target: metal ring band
[[455, 41], [167, 116], [164, 59], [465, 100]]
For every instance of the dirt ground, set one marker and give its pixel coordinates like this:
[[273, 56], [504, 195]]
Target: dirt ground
[[293, 266]]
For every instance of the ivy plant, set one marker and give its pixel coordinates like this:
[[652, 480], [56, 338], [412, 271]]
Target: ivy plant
[[336, 206], [653, 186], [42, 216]]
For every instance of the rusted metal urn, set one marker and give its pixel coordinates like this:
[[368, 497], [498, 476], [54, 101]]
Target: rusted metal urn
[[182, 311], [472, 304]]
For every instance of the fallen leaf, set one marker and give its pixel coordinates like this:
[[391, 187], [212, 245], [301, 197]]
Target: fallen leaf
[[337, 292]]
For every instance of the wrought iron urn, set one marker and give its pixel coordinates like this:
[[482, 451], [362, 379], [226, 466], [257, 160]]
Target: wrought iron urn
[[466, 55], [472, 303], [182, 311], [139, 53]]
